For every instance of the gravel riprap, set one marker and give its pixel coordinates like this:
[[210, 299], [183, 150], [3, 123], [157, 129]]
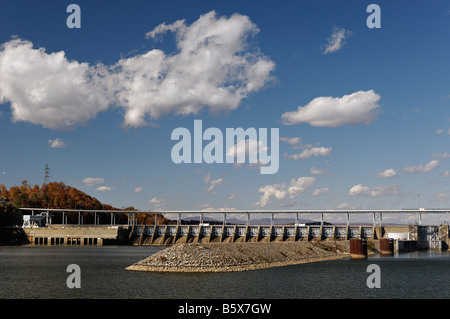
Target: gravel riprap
[[224, 257]]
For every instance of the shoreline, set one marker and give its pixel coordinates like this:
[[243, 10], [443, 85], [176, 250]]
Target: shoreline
[[220, 257]]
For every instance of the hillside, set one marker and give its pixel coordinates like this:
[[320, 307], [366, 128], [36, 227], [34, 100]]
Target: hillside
[[58, 195]]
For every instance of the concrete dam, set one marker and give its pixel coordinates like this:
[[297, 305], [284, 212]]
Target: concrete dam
[[407, 238], [40, 231]]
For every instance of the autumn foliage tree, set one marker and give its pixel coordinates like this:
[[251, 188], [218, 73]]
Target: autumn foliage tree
[[51, 195], [60, 196]]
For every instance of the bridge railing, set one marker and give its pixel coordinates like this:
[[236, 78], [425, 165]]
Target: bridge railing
[[377, 215]]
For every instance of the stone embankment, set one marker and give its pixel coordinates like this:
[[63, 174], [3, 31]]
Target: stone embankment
[[220, 257]]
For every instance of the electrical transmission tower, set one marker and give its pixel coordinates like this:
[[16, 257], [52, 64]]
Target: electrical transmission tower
[[47, 174]]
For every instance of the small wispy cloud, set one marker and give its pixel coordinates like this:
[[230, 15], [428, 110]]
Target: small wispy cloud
[[321, 191], [295, 142], [138, 189], [380, 191], [104, 188], [422, 168], [316, 171], [440, 197], [441, 155], [212, 183], [56, 143], [311, 151], [92, 181], [336, 40], [209, 208], [157, 202], [387, 173], [345, 205]]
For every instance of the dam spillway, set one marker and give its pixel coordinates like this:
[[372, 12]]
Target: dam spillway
[[425, 237], [175, 234]]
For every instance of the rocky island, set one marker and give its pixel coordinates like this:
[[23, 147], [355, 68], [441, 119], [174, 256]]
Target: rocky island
[[220, 257]]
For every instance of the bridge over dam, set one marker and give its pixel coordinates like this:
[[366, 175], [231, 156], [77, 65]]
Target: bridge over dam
[[412, 236]]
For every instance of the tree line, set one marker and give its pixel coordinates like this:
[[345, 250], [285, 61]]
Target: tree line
[[57, 195]]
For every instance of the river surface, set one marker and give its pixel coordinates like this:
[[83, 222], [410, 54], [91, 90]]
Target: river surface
[[41, 272]]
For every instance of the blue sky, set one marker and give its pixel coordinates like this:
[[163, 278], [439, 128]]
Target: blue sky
[[97, 114]]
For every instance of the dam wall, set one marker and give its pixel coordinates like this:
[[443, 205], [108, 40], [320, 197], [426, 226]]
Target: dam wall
[[424, 237], [406, 237], [175, 234]]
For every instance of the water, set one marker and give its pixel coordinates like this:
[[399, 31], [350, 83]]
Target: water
[[40, 272]]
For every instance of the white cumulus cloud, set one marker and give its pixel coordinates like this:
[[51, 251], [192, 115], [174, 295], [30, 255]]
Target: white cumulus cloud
[[215, 65], [355, 108], [361, 190], [285, 193], [47, 88]]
